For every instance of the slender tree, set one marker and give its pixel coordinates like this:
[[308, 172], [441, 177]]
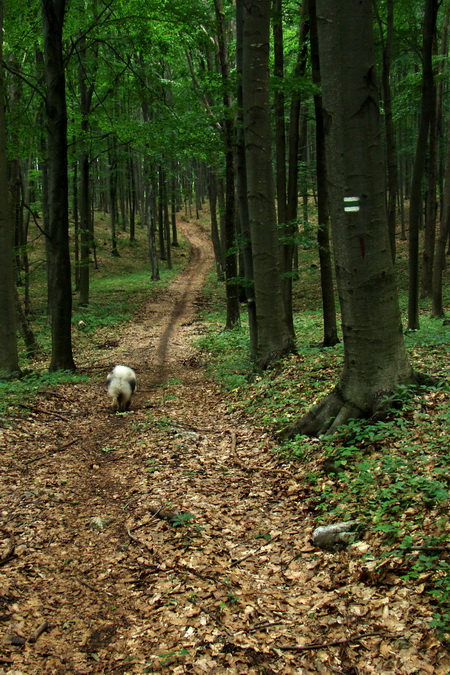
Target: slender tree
[[274, 338], [9, 363], [426, 113], [441, 242], [60, 292], [375, 358], [231, 270], [330, 331]]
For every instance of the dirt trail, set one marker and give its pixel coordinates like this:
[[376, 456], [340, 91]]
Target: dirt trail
[[87, 556]]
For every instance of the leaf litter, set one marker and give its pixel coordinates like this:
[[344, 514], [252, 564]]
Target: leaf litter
[[171, 539]]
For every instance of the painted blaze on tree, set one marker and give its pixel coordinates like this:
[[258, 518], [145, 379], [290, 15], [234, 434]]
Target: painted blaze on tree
[[375, 358]]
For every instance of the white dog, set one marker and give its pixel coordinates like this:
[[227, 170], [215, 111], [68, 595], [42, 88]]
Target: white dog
[[121, 386]]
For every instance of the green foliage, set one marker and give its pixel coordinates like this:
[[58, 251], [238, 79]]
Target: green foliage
[[391, 474], [18, 394], [182, 519]]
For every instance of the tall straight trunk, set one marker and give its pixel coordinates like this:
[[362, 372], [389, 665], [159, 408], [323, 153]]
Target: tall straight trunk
[[151, 207], [60, 291], [173, 208], [330, 331], [132, 196], [279, 111], [289, 245], [231, 269], [274, 338], [9, 360], [391, 150], [215, 235], [86, 86], [84, 228], [428, 99], [241, 173], [113, 196], [441, 242], [161, 229], [375, 357], [426, 277]]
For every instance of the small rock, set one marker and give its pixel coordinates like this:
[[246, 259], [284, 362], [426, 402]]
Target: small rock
[[334, 537], [99, 523]]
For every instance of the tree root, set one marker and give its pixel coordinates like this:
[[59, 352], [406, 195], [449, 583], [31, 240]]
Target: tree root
[[324, 418], [337, 409]]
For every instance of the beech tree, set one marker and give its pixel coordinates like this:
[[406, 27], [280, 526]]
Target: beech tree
[[9, 363], [273, 336], [375, 357], [60, 291]]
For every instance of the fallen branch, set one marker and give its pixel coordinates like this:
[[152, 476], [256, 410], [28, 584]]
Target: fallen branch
[[43, 412], [335, 643], [252, 553], [51, 452], [39, 630], [426, 548], [9, 555], [171, 516], [262, 625]]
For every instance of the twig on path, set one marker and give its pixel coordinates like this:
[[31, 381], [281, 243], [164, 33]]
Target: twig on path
[[335, 643], [262, 625], [92, 588], [44, 412], [39, 630], [426, 548], [52, 452], [8, 556], [249, 555], [216, 620], [136, 539]]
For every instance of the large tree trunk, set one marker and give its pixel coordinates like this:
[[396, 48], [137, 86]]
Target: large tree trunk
[[60, 291], [274, 339], [375, 359]]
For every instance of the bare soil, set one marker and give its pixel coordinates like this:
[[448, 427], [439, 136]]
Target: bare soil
[[172, 539]]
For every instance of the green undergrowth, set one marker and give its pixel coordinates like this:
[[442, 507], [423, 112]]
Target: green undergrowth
[[19, 395], [390, 475]]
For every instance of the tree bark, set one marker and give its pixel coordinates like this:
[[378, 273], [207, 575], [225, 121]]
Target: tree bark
[[60, 291], [231, 269], [330, 331], [391, 150], [241, 172], [375, 359], [441, 242], [9, 360], [415, 206], [274, 338]]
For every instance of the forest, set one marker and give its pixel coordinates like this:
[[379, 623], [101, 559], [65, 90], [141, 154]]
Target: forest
[[246, 202]]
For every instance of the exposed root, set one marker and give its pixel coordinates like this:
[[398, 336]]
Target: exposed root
[[337, 409]]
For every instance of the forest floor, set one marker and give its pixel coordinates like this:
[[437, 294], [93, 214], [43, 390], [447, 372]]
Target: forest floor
[[172, 539]]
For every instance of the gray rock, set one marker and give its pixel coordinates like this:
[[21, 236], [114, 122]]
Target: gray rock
[[335, 537]]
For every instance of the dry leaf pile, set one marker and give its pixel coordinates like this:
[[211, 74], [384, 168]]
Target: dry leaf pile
[[170, 539]]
